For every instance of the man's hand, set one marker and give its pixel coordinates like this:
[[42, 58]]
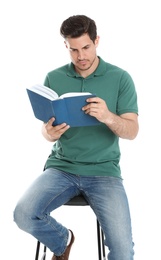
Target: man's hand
[[53, 133], [97, 107]]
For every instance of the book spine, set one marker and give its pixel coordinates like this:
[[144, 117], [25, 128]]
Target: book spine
[[60, 111]]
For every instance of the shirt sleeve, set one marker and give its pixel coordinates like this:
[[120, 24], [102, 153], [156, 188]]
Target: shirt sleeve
[[127, 98]]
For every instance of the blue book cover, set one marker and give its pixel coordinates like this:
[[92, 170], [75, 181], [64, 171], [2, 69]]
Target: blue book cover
[[65, 109]]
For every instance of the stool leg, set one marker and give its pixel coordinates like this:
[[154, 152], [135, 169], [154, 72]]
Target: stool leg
[[99, 241], [37, 250], [103, 245], [44, 254]]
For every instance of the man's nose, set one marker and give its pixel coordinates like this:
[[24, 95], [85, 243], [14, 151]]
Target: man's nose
[[80, 55]]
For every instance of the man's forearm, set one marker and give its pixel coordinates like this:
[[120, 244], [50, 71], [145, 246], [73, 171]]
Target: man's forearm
[[123, 126]]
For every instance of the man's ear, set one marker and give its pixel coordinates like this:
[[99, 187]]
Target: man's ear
[[66, 44], [97, 41]]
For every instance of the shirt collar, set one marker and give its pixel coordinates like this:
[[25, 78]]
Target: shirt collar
[[100, 70]]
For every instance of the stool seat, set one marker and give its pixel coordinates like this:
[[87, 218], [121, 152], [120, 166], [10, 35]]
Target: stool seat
[[77, 201]]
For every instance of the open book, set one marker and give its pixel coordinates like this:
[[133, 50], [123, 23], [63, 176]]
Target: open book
[[67, 108]]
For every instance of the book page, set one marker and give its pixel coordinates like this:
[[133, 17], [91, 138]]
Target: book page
[[44, 91], [74, 94], [52, 95]]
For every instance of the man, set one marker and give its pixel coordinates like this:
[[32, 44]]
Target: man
[[85, 159]]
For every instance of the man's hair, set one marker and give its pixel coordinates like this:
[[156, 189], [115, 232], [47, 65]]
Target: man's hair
[[77, 25]]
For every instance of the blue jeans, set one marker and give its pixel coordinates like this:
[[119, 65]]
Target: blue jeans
[[53, 188]]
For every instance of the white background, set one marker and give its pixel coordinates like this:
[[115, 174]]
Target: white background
[[30, 46]]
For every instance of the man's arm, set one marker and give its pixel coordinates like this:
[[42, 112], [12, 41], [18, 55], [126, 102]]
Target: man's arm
[[125, 126]]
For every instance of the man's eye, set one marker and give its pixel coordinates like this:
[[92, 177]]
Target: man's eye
[[86, 47]]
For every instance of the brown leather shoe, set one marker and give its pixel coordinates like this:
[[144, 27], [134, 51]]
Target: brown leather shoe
[[65, 255]]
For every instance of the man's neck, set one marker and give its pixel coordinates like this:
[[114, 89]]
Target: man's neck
[[86, 73]]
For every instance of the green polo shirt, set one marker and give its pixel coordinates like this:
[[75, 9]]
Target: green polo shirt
[[92, 150]]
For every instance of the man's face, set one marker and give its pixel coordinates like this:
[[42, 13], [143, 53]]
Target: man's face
[[82, 52]]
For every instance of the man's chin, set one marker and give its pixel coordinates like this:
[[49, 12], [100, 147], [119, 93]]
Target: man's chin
[[83, 68]]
